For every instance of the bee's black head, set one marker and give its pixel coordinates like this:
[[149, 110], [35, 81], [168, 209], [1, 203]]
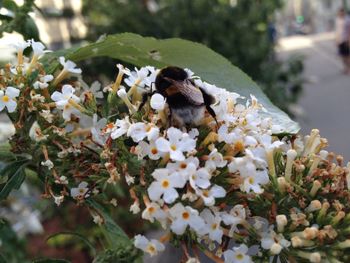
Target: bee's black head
[[174, 73]]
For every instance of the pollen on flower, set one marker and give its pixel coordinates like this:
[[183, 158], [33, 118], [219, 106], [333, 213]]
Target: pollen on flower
[[185, 215], [154, 150], [5, 98], [165, 184]]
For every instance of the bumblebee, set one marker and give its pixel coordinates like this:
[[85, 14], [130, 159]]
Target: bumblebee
[[187, 102]]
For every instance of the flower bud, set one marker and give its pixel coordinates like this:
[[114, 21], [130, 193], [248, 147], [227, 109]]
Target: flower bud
[[310, 233], [291, 155], [315, 257], [315, 187], [157, 102], [281, 222], [276, 249], [313, 206], [124, 96]]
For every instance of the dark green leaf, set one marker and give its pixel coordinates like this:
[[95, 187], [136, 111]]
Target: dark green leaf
[[16, 175], [87, 242], [207, 64], [2, 259], [114, 234], [50, 260]]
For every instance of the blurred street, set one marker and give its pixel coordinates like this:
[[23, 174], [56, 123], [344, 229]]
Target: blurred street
[[325, 100]]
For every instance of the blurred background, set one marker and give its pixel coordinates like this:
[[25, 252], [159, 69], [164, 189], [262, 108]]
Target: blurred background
[[287, 46]]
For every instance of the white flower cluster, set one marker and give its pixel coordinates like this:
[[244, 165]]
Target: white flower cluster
[[194, 172]]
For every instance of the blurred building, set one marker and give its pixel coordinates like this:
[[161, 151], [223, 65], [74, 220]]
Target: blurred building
[[60, 22], [308, 16]]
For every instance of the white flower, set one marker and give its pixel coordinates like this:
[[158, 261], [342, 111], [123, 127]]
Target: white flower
[[97, 219], [229, 136], [237, 254], [43, 82], [138, 131], [62, 98], [236, 216], [209, 195], [47, 115], [266, 141], [152, 246], [7, 99], [253, 178], [80, 191], [215, 160], [95, 89], [212, 225], [144, 149], [20, 46], [120, 128], [63, 101], [165, 185], [185, 167], [158, 102], [140, 77], [274, 242], [62, 180], [69, 66], [38, 47], [48, 163], [177, 144], [198, 178], [135, 208], [58, 199], [153, 211], [253, 183], [186, 216], [96, 130]]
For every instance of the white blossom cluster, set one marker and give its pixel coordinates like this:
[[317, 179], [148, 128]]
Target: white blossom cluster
[[189, 174]]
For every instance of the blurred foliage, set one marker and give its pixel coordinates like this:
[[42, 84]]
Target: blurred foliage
[[12, 249], [15, 18], [242, 31]]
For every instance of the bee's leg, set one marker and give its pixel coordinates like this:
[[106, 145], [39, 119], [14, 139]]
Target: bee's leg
[[212, 113], [145, 97]]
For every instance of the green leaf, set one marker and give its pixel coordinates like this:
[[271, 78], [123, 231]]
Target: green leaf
[[206, 63], [50, 260], [87, 242], [114, 234], [16, 175]]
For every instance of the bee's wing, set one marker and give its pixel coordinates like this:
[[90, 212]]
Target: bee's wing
[[188, 90]]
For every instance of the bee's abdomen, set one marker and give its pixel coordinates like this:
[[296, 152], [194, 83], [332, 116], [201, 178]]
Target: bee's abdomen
[[188, 115]]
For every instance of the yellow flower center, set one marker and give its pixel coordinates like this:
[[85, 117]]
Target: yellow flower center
[[205, 193], [214, 226], [151, 209], [5, 98], [183, 165], [151, 249], [148, 128], [173, 147], [185, 215], [239, 146], [154, 151], [239, 256], [251, 180], [165, 184]]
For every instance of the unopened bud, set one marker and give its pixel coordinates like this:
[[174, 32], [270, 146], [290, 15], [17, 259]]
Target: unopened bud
[[313, 206], [337, 218], [315, 187], [291, 155], [310, 233], [281, 222]]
